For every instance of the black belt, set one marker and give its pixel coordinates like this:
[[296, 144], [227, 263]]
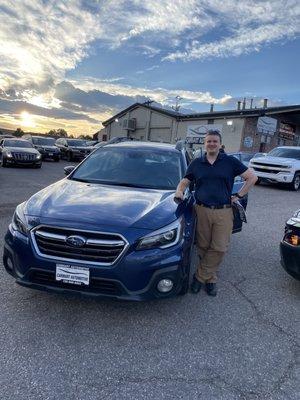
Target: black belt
[[214, 207]]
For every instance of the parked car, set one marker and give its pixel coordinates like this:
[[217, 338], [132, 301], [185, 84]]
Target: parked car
[[280, 165], [243, 156], [110, 228], [73, 149], [259, 155], [116, 139], [45, 145], [91, 142], [19, 152], [290, 246]]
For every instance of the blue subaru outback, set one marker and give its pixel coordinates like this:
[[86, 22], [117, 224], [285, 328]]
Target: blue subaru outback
[[111, 228]]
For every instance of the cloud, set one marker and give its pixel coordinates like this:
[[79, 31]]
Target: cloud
[[250, 27], [41, 40], [16, 107], [118, 92]]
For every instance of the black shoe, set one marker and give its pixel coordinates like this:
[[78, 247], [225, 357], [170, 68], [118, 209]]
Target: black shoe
[[196, 285], [211, 289]]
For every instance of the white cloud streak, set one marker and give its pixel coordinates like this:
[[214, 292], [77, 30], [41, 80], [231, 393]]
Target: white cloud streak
[[159, 95], [41, 40]]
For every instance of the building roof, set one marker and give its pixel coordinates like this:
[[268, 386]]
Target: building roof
[[253, 112], [170, 113]]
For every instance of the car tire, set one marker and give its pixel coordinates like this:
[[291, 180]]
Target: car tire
[[56, 159], [69, 156], [38, 166], [295, 184], [3, 162]]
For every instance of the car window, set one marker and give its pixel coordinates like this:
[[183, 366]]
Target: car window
[[76, 142], [247, 157], [150, 168], [43, 141], [17, 143]]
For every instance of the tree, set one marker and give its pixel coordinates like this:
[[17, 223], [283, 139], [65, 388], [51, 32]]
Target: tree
[[86, 137], [19, 132], [57, 133]]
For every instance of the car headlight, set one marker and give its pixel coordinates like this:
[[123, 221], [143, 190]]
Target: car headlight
[[38, 156], [19, 222], [162, 238], [8, 154]]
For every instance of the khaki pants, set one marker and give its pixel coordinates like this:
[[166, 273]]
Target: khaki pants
[[214, 227]]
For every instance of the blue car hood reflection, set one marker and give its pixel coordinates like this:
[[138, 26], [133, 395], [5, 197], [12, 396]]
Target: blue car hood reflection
[[97, 204]]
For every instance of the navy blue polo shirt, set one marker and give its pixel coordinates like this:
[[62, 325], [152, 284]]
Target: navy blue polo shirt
[[214, 182]]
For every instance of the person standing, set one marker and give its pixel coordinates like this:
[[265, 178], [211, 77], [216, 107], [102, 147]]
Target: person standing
[[213, 175]]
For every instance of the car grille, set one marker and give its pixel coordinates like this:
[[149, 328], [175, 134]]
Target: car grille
[[24, 156], [101, 286], [97, 247], [268, 171]]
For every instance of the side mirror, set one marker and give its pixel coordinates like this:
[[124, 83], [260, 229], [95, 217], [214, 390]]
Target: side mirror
[[69, 169]]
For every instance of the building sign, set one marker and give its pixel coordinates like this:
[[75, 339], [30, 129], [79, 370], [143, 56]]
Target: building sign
[[266, 125], [196, 133], [286, 131], [248, 141]]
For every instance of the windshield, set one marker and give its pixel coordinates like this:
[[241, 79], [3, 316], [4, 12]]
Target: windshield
[[76, 142], [147, 168], [43, 141], [287, 153], [17, 143]]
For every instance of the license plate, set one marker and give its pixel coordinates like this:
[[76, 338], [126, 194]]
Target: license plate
[[72, 274], [50, 154]]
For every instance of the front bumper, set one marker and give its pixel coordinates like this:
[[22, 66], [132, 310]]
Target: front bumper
[[12, 161], [49, 154], [133, 277], [280, 177], [290, 259]]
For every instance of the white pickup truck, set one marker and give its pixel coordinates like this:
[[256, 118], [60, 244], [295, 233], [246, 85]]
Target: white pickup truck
[[280, 165]]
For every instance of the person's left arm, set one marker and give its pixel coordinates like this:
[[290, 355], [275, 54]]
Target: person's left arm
[[249, 180]]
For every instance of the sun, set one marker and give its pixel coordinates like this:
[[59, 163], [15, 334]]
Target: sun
[[27, 119]]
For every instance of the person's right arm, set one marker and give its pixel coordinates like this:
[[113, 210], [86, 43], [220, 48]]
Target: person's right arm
[[182, 185]]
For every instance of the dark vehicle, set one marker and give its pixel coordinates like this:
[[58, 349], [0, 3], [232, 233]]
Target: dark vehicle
[[290, 246], [116, 139], [73, 149], [110, 228], [243, 157], [45, 145], [91, 142], [19, 152]]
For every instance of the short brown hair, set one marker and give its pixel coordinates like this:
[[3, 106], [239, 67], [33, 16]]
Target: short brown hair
[[214, 132]]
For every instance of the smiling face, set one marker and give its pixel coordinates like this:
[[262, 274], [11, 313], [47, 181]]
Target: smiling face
[[212, 144]]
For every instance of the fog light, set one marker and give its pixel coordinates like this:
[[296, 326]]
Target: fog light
[[165, 285]]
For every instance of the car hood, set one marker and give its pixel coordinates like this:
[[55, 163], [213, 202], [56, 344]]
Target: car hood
[[103, 205], [22, 150], [274, 160]]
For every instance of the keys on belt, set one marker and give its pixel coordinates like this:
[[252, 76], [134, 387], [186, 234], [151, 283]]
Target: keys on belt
[[219, 207]]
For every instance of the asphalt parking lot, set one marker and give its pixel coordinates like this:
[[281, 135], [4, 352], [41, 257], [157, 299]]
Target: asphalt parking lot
[[243, 344]]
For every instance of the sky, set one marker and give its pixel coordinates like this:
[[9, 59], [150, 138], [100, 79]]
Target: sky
[[74, 64]]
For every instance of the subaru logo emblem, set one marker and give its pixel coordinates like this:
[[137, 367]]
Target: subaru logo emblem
[[76, 241]]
